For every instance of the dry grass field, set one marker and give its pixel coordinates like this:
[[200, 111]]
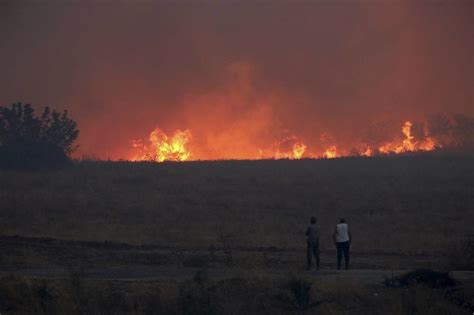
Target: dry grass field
[[247, 217], [417, 204]]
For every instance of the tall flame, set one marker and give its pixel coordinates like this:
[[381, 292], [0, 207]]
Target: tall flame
[[409, 144], [163, 147], [298, 150]]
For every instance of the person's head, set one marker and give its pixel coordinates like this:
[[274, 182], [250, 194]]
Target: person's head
[[313, 220], [342, 220]]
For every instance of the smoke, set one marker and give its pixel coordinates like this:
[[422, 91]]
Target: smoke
[[242, 76]]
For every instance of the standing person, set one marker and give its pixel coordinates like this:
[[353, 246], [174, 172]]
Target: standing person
[[342, 239], [312, 240]]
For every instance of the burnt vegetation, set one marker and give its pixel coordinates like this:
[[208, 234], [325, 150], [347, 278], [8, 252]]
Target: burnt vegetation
[[29, 141]]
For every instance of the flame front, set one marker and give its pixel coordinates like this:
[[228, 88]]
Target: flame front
[[161, 147], [164, 148], [409, 144]]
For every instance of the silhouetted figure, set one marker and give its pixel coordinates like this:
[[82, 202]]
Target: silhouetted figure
[[312, 240], [342, 239]]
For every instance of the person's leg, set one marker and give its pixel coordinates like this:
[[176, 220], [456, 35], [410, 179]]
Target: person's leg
[[308, 256], [316, 256], [339, 255], [347, 248]]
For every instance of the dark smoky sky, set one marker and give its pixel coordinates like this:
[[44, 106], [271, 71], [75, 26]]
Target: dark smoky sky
[[124, 67]]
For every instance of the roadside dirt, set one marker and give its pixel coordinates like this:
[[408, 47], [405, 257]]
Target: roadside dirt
[[53, 258]]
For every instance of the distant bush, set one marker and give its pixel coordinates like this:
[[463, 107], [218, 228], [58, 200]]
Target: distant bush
[[29, 141]]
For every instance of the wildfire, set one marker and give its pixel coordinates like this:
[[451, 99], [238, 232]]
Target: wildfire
[[330, 153], [164, 148], [161, 147], [367, 152], [298, 150], [290, 148], [409, 144], [429, 144]]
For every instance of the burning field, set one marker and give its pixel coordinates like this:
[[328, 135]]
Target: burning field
[[178, 146], [236, 120]]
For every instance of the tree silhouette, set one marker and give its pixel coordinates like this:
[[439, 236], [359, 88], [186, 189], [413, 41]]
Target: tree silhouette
[[28, 141]]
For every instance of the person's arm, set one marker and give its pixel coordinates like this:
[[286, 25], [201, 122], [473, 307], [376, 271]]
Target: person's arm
[[350, 236], [334, 235]]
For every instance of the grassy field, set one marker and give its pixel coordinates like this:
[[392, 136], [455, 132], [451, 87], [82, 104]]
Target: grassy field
[[401, 204], [404, 212]]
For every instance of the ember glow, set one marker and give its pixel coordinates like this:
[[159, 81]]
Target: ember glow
[[178, 147]]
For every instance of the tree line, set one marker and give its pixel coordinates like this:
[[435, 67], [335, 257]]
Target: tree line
[[28, 140]]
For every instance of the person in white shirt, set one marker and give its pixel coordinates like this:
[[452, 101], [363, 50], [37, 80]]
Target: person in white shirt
[[342, 239]]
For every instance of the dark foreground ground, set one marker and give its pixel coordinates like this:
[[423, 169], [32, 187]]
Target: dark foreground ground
[[148, 289], [51, 276], [228, 237]]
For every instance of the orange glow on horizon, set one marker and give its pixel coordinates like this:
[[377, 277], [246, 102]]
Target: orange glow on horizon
[[178, 147]]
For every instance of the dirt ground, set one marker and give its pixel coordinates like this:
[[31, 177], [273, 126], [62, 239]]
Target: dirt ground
[[51, 258], [107, 264], [26, 253]]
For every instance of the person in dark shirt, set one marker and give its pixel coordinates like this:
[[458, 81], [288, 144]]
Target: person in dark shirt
[[312, 240]]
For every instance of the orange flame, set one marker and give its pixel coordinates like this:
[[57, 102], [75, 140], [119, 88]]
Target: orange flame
[[429, 144], [409, 144], [164, 148], [298, 150], [330, 152], [290, 148], [161, 147], [368, 152]]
